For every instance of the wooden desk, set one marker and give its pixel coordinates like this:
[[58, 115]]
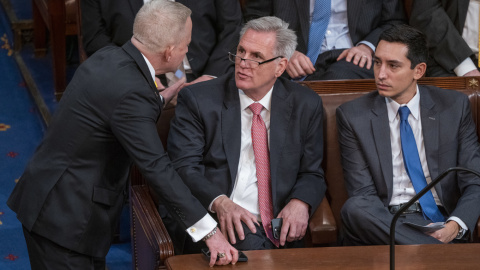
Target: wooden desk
[[449, 256]]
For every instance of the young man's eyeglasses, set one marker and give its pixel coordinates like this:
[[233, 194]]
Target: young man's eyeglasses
[[249, 62]]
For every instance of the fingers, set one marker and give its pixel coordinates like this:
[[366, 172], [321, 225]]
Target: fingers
[[360, 56], [234, 253], [299, 65]]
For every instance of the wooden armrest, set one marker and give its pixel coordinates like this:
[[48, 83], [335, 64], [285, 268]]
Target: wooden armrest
[[151, 244], [322, 226]]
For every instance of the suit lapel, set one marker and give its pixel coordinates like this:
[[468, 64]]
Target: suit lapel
[[430, 130], [281, 112], [137, 56], [381, 137], [231, 128], [303, 9]]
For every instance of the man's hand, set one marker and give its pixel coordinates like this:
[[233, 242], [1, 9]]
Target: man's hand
[[200, 79], [474, 72], [218, 244], [299, 65], [295, 221], [361, 55], [447, 234], [230, 216], [171, 92]]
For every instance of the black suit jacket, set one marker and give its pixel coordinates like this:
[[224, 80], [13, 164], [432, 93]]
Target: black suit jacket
[[442, 21], [367, 19], [74, 187], [204, 141], [449, 137], [216, 27]]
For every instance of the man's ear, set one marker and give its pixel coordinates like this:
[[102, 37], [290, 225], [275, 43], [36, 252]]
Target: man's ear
[[419, 70], [168, 53], [282, 65]]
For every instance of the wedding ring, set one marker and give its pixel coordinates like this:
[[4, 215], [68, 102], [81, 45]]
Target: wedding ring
[[221, 255], [364, 56]]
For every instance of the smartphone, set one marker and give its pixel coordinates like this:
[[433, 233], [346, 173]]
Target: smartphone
[[277, 227], [241, 256]]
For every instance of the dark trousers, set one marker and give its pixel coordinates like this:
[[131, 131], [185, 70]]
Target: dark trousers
[[328, 68], [45, 255], [367, 222], [252, 241]]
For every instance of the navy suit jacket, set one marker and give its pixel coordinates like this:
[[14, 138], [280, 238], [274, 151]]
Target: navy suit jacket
[[74, 188], [216, 27], [442, 21], [204, 141], [449, 137], [367, 19]]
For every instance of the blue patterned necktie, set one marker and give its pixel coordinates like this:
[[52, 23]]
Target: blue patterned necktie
[[414, 169], [321, 16]]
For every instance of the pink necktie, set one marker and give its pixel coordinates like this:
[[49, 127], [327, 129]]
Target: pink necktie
[[262, 164]]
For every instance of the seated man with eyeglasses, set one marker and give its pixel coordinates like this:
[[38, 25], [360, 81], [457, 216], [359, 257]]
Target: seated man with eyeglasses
[[249, 144]]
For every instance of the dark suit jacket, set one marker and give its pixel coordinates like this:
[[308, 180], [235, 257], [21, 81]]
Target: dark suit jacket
[[367, 19], [450, 140], [216, 27], [204, 141], [74, 187], [442, 21]]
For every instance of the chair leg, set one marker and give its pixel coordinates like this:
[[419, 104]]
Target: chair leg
[[39, 32]]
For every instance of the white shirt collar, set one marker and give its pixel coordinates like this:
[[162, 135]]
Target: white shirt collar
[[413, 105], [245, 101], [150, 67]]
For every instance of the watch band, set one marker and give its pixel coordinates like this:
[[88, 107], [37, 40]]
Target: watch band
[[210, 234]]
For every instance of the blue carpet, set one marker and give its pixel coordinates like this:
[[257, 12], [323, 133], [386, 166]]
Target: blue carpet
[[21, 129]]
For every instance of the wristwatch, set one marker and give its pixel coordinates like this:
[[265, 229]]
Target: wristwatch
[[210, 234], [461, 233]]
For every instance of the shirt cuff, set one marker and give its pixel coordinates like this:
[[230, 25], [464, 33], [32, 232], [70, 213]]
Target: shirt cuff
[[201, 228], [211, 76], [210, 205], [460, 222], [466, 66], [369, 44]]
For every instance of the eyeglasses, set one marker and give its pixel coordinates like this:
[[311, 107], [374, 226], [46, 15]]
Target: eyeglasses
[[249, 62]]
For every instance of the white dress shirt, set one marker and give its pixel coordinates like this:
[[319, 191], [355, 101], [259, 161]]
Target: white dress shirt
[[402, 186], [245, 189], [337, 35], [470, 35], [206, 224]]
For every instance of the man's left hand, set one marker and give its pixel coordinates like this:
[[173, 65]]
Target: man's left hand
[[447, 234], [295, 221], [360, 55], [200, 79]]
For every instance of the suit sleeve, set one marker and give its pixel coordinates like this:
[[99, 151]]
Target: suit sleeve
[[468, 206], [133, 123], [358, 179], [392, 12], [186, 145], [310, 186], [227, 28], [94, 29], [446, 45]]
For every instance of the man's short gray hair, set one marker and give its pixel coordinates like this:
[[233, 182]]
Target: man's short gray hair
[[286, 42], [160, 23]]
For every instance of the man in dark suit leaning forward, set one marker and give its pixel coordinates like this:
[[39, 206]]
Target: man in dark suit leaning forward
[[71, 194], [396, 140], [249, 144]]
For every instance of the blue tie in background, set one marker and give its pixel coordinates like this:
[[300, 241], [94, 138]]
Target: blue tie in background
[[321, 16], [414, 169]]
